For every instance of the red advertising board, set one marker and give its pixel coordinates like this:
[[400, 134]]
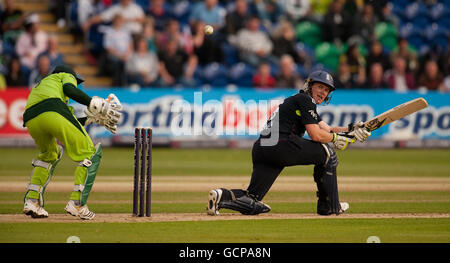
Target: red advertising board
[[12, 106]]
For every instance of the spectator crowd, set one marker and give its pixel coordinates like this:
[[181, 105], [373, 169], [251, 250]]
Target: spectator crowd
[[261, 43]]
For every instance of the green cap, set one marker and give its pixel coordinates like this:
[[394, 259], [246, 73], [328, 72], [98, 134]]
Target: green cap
[[68, 69]]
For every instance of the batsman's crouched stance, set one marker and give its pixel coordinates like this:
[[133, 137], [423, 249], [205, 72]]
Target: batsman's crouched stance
[[48, 119], [295, 116]]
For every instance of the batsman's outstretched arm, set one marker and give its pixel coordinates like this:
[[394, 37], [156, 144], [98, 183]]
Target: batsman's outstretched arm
[[353, 130], [318, 134], [323, 125]]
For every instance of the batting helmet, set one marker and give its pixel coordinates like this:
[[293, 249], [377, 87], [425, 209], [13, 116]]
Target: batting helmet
[[320, 76], [68, 69], [323, 77]]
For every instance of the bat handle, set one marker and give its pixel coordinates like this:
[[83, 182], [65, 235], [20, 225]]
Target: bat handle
[[347, 134]]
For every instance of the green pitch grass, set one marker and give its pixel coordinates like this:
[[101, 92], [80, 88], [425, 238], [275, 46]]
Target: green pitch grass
[[389, 170], [272, 231], [119, 161]]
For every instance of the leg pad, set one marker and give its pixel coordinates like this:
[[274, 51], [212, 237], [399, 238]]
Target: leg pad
[[91, 166], [325, 177], [50, 167]]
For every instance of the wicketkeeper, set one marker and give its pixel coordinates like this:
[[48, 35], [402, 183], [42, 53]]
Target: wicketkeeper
[[49, 119], [281, 144]]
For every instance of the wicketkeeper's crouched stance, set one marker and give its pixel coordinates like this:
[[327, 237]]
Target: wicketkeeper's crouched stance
[[281, 145], [48, 118]]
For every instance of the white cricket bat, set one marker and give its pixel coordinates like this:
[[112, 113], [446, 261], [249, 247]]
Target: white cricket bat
[[396, 113]]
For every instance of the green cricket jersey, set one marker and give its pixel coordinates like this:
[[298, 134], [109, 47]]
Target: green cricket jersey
[[51, 87], [52, 94]]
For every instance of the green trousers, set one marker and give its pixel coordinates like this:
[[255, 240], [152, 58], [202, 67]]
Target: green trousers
[[45, 129]]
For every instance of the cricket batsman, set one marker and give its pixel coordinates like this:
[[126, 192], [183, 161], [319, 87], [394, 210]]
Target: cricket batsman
[[48, 118], [295, 116]]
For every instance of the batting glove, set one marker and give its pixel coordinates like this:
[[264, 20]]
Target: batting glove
[[341, 142], [358, 131]]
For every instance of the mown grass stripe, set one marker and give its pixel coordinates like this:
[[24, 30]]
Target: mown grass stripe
[[285, 196], [362, 207], [237, 162]]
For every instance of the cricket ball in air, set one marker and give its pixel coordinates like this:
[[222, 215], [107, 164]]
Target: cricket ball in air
[[208, 30]]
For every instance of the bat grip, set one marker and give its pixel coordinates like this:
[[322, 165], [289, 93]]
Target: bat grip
[[347, 134]]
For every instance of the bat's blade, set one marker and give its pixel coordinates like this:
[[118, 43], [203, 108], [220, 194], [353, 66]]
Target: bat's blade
[[396, 113]]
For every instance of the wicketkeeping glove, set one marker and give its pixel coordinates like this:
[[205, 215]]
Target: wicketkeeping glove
[[105, 108], [104, 112], [341, 141], [109, 124]]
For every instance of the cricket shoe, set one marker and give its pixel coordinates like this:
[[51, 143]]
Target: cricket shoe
[[344, 207], [82, 212], [323, 208], [251, 205], [33, 209], [212, 208]]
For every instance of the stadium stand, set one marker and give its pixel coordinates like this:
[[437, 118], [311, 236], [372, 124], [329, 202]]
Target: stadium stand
[[424, 24]]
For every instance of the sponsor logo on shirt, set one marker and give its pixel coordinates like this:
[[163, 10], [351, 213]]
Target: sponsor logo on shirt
[[313, 114]]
